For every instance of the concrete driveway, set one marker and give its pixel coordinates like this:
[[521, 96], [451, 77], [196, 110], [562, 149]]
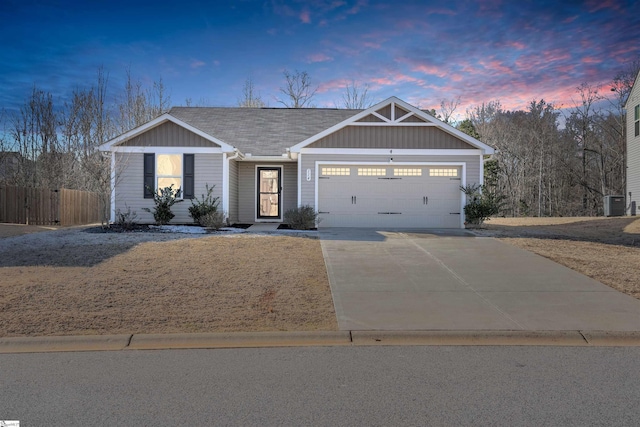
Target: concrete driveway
[[452, 280]]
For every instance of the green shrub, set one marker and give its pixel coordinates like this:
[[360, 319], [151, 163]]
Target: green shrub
[[214, 220], [201, 207], [164, 198], [301, 218], [481, 205], [126, 220]]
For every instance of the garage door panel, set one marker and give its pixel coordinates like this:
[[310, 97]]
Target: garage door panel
[[419, 201]]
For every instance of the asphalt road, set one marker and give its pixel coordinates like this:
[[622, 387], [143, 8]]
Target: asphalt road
[[330, 386]]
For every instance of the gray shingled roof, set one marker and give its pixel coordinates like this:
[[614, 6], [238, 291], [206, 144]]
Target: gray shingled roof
[[261, 131]]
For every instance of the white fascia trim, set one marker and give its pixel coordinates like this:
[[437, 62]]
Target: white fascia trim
[[109, 145], [267, 159], [386, 152], [225, 186], [112, 215], [401, 124], [462, 165], [169, 150]]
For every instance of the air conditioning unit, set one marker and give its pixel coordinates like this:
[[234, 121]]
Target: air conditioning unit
[[614, 205]]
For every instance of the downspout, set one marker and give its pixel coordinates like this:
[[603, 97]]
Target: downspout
[[225, 190]]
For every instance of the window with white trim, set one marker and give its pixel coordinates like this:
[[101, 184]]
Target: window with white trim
[[372, 172], [169, 171], [443, 172], [407, 172], [636, 117], [162, 170], [335, 171]]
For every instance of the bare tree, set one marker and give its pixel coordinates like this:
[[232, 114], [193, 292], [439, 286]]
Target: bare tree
[[298, 90], [448, 107], [34, 132], [139, 105], [250, 97], [356, 97]]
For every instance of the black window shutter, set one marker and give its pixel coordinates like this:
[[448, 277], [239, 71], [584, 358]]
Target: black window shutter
[[149, 175], [188, 173]]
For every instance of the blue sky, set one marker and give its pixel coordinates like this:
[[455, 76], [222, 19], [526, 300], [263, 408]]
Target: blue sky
[[420, 51]]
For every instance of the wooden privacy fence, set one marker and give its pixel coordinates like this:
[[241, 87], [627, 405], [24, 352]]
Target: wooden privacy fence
[[40, 206]]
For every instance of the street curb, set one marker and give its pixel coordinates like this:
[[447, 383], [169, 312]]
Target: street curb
[[318, 338], [474, 338], [69, 343], [239, 339], [615, 339]]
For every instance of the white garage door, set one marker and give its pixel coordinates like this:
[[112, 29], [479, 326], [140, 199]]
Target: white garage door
[[389, 196]]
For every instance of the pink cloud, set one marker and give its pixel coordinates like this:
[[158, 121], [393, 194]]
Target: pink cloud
[[496, 66], [356, 8], [431, 70], [332, 85], [442, 11], [596, 5], [305, 18], [318, 57], [591, 60], [372, 45], [196, 63]]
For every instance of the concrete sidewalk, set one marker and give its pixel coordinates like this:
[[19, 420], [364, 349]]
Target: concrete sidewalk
[[453, 281]]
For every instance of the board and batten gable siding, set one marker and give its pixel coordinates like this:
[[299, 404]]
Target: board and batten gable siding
[[129, 189], [308, 161], [247, 198], [633, 151], [168, 134], [392, 137]]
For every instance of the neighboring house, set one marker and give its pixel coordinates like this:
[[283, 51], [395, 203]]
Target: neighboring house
[[391, 165], [633, 147]]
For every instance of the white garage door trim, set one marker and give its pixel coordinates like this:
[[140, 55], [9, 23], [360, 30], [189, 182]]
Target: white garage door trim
[[461, 165]]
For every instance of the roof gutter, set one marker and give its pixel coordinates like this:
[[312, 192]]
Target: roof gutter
[[236, 154]]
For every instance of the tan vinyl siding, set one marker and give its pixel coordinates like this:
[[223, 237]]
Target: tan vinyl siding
[[394, 137], [247, 198], [414, 119], [246, 192], [385, 112], [232, 209], [371, 118], [309, 162], [129, 185], [400, 112], [633, 151], [168, 134], [290, 186]]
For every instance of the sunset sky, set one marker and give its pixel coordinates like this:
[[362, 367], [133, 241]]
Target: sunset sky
[[420, 51]]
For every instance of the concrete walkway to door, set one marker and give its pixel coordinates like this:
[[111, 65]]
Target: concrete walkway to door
[[451, 280]]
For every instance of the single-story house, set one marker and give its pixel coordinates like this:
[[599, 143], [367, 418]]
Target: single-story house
[[633, 147], [390, 165]]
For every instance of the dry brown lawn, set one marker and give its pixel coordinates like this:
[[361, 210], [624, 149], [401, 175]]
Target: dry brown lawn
[[10, 230], [114, 284], [606, 249]]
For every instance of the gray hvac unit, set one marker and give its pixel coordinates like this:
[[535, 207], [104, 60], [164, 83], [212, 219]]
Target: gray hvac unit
[[613, 205]]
